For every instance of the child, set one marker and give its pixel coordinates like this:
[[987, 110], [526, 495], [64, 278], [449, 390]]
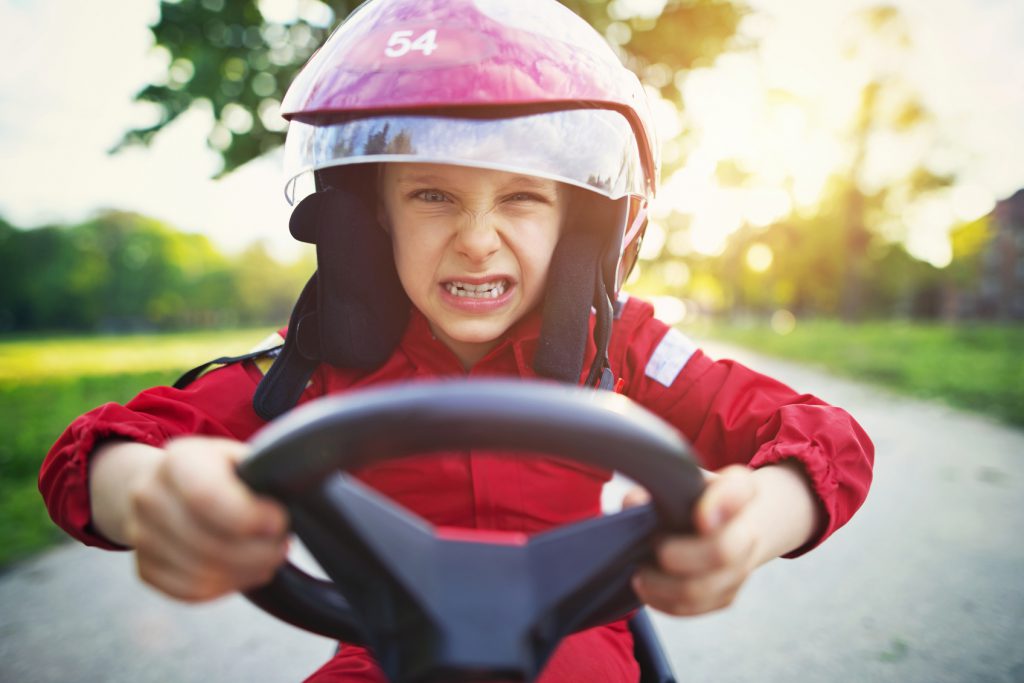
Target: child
[[482, 175]]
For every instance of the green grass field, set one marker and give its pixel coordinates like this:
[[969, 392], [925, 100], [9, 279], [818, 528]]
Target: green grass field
[[977, 367], [45, 382]]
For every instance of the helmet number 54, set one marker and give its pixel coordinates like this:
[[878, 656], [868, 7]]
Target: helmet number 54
[[401, 42]]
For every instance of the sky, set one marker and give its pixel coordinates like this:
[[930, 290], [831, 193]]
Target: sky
[[71, 69]]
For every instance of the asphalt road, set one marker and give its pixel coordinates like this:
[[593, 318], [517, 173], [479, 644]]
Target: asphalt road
[[925, 584]]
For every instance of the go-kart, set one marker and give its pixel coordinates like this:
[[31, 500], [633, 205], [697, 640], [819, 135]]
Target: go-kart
[[437, 604]]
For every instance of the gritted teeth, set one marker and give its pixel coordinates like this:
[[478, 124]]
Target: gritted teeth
[[487, 290]]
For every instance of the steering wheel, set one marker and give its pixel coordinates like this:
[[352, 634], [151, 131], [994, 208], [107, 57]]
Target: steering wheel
[[438, 605]]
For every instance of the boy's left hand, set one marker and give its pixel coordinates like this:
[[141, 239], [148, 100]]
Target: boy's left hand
[[704, 572]]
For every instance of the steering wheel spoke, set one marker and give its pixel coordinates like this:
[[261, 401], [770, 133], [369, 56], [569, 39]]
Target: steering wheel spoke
[[577, 564]]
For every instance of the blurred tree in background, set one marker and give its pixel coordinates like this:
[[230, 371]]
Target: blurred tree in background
[[889, 107], [845, 256], [121, 271]]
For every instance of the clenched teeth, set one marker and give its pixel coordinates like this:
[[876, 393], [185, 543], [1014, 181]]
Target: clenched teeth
[[487, 290]]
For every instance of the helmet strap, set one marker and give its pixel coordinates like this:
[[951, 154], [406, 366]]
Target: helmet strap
[[581, 273], [599, 373], [567, 301], [353, 311], [282, 386], [362, 310]]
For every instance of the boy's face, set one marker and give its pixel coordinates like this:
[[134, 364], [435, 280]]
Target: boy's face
[[472, 247]]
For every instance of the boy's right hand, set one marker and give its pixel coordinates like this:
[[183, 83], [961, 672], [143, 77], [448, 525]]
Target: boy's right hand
[[198, 532]]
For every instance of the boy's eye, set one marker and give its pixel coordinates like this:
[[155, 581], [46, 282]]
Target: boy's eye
[[527, 197], [431, 196]]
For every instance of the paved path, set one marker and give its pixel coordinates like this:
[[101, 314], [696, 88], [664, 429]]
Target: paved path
[[926, 584]]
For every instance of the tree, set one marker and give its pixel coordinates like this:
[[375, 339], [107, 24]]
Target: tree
[[888, 105], [238, 58], [844, 259], [122, 271], [34, 265], [267, 289]]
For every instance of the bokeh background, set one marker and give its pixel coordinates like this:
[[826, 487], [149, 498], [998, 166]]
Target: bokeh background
[[843, 185]]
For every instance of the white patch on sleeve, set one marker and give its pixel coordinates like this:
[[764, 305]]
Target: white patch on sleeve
[[673, 351]]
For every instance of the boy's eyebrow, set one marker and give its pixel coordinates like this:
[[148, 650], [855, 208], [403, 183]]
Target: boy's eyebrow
[[533, 182], [519, 180], [423, 178]]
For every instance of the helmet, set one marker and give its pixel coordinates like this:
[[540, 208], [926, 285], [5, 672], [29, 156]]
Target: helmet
[[526, 87]]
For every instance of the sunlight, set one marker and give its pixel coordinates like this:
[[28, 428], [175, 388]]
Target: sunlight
[[971, 202], [928, 223], [638, 8], [759, 257], [784, 118], [290, 11], [783, 322], [784, 154], [713, 224], [763, 206], [654, 240], [669, 309]]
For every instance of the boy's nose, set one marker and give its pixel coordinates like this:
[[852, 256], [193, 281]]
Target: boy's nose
[[478, 237]]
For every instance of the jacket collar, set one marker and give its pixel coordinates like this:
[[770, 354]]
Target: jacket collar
[[429, 354]]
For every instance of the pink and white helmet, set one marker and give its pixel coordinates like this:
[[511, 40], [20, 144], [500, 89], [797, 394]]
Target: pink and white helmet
[[527, 87]]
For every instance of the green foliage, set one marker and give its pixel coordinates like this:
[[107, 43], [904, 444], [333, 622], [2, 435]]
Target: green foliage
[[225, 54], [969, 241], [268, 289], [229, 56], [45, 382], [805, 274], [123, 271], [975, 367], [685, 35], [845, 256]]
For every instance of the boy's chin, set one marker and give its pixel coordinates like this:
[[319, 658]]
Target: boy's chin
[[477, 334]]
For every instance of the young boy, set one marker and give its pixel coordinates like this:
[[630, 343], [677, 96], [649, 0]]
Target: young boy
[[482, 176]]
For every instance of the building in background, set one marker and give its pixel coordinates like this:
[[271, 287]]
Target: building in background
[[988, 265]]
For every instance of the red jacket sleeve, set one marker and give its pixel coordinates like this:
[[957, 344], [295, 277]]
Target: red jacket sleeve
[[217, 404], [733, 415]]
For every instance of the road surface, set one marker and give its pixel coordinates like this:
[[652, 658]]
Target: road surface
[[925, 584]]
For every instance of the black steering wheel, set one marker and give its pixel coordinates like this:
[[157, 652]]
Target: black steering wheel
[[437, 606]]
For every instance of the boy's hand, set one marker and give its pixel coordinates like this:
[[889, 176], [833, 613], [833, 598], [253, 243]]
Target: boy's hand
[[198, 531], [743, 519], [704, 572]]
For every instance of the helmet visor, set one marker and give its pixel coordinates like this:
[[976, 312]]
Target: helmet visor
[[591, 148]]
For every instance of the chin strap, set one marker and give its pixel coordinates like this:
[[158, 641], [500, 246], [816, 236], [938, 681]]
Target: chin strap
[[600, 375], [567, 302], [282, 386], [580, 279]]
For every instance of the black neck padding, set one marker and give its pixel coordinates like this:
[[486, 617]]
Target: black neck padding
[[362, 309], [282, 386], [567, 301]]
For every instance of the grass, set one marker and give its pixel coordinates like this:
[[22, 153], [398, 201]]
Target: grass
[[45, 382], [977, 367]]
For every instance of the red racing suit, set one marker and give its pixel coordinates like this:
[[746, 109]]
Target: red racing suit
[[729, 414]]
